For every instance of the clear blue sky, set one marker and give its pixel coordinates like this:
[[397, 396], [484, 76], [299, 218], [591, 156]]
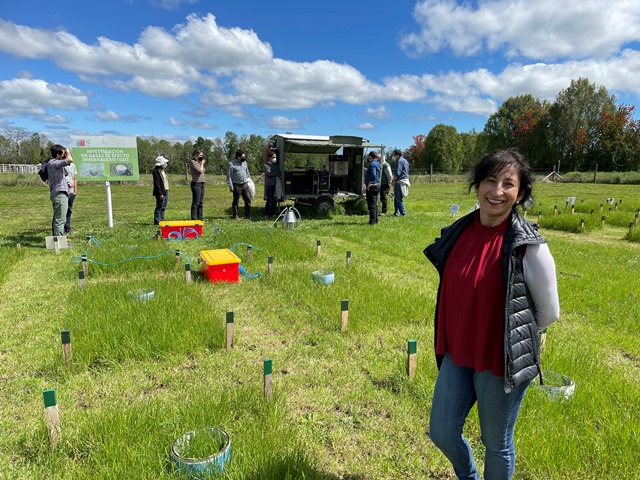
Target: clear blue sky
[[385, 70]]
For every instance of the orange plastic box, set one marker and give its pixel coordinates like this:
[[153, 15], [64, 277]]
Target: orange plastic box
[[182, 229], [220, 265]]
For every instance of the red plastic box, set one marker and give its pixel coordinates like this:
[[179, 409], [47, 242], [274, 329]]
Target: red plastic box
[[220, 265], [182, 229]]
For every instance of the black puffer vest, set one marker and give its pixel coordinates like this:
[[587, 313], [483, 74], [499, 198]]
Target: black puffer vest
[[521, 343]]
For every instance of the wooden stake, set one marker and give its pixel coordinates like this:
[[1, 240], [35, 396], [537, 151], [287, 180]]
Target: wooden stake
[[66, 347], [177, 258], [636, 219], [187, 272], [630, 228], [270, 265], [348, 257], [582, 223], [56, 246], [412, 349], [573, 209], [85, 267], [217, 229], [249, 253], [229, 330], [82, 282], [601, 207], [87, 238], [318, 247], [602, 220], [158, 235], [555, 209], [344, 318], [52, 416], [18, 246], [267, 379]]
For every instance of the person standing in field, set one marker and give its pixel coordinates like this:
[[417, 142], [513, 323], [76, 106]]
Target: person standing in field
[[271, 174], [238, 181], [372, 185], [59, 187], [160, 188], [385, 185], [72, 181], [196, 167], [400, 183], [497, 291]]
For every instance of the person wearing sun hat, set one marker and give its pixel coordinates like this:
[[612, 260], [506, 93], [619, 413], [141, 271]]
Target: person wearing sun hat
[[160, 188]]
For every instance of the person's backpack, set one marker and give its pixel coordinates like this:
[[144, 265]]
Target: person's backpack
[[43, 173]]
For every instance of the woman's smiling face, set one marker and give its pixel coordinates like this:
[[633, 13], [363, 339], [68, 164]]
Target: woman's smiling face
[[497, 195]]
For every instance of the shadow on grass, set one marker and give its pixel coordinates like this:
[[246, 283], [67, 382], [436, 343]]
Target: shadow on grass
[[293, 467], [28, 238]]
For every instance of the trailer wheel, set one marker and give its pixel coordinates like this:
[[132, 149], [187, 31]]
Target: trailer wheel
[[323, 205]]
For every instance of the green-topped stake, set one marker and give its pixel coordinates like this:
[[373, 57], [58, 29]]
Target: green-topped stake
[[229, 330], [318, 248], [82, 282], [267, 379], [249, 253], [52, 416], [18, 246], [348, 257], [582, 224], [187, 272], [66, 347], [602, 220], [555, 209], [412, 349], [269, 265], [344, 315]]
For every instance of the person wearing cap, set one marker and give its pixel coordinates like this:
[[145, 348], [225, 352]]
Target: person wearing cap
[[372, 184], [160, 188], [238, 181]]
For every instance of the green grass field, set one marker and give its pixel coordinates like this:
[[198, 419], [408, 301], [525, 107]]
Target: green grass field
[[144, 373]]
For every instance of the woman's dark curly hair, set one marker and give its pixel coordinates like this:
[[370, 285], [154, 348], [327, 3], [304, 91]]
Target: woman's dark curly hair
[[494, 162]]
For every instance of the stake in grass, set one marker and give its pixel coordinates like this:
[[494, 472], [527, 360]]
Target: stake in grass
[[82, 282], [85, 267], [412, 349], [229, 330], [318, 248], [187, 272], [249, 253], [348, 257], [270, 265], [267, 379], [56, 246], [52, 416], [87, 239], [66, 347], [344, 315], [18, 246], [177, 258]]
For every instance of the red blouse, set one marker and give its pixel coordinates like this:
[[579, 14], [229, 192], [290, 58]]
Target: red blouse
[[472, 300]]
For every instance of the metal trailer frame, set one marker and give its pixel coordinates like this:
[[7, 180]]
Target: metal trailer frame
[[341, 178]]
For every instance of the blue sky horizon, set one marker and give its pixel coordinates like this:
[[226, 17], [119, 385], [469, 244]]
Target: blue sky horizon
[[386, 71]]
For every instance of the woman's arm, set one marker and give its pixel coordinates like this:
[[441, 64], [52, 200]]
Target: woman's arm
[[540, 277]]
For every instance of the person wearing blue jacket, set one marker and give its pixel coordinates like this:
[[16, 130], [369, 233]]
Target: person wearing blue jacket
[[372, 184]]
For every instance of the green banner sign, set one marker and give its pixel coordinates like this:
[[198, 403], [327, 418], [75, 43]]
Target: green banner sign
[[105, 157]]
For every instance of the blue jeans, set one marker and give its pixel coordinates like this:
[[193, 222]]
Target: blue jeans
[[197, 199], [270, 205], [398, 202], [67, 225], [161, 205], [457, 390]]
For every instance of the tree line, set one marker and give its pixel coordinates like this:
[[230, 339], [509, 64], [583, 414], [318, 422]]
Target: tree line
[[581, 130]]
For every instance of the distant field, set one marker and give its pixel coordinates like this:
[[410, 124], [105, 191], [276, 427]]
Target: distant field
[[342, 405]]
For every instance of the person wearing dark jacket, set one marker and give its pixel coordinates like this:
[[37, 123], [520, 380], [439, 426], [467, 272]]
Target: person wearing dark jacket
[[160, 189], [271, 174], [372, 186], [497, 291]]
